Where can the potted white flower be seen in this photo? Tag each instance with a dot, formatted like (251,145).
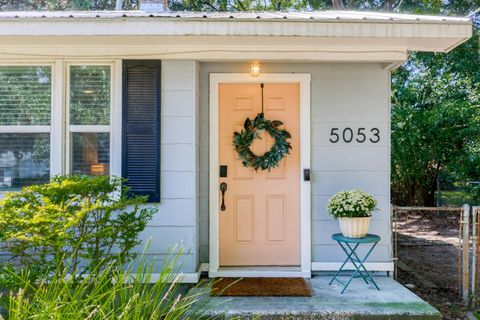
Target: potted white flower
(353,209)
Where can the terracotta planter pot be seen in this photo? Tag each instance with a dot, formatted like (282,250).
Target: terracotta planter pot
(354,227)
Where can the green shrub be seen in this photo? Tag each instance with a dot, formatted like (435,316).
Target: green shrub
(351,204)
(90,220)
(113,293)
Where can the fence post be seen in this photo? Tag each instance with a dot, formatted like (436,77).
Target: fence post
(465,253)
(395,241)
(475,232)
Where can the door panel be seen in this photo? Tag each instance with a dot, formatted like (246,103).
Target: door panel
(261,223)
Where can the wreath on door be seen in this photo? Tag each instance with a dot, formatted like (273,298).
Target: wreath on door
(243,140)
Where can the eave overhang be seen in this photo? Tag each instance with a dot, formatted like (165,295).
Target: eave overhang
(321,36)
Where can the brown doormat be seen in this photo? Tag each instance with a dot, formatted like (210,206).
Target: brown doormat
(260,287)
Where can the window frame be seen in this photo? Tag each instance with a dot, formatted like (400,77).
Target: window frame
(71,128)
(59,128)
(34,128)
(22,129)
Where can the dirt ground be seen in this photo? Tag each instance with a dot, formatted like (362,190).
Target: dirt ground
(428,259)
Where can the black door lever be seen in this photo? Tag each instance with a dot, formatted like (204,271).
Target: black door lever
(223,188)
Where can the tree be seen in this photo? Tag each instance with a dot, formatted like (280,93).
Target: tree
(426,141)
(22,5)
(436,117)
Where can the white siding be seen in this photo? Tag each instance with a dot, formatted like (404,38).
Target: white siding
(175,224)
(343,95)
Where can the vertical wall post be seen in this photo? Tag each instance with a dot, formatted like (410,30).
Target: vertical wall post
(465,253)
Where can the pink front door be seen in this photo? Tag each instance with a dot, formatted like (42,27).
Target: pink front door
(261,222)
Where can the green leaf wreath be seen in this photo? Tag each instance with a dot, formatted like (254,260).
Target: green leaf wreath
(244,139)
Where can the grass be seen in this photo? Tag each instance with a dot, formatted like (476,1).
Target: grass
(453,198)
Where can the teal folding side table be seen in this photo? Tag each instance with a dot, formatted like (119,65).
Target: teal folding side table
(350,246)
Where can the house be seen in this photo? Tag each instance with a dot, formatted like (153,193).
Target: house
(156,97)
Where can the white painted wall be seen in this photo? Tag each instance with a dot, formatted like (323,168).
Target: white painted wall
(343,94)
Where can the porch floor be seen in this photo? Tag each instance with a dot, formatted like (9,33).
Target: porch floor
(360,301)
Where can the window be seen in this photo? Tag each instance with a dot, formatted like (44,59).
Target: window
(66,118)
(47,128)
(89,107)
(25,117)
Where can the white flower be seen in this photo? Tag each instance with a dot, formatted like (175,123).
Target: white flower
(353,203)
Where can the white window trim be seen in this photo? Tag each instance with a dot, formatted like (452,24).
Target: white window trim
(24,129)
(57,149)
(90,128)
(116,120)
(59,127)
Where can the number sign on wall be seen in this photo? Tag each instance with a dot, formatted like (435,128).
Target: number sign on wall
(360,135)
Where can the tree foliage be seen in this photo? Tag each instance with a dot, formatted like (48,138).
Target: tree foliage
(23,5)
(436,117)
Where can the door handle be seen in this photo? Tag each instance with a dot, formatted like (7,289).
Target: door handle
(223,188)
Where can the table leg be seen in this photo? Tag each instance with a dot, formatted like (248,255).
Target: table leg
(363,266)
(356,259)
(344,263)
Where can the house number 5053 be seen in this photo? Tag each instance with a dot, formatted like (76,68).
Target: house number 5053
(359,135)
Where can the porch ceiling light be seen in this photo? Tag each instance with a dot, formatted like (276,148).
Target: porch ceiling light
(255,68)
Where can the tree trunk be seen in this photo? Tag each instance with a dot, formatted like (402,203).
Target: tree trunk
(338,5)
(428,197)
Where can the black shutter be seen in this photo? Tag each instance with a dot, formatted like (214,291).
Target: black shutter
(141,127)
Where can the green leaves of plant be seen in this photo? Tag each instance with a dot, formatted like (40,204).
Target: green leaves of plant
(276,123)
(247,124)
(81,217)
(244,139)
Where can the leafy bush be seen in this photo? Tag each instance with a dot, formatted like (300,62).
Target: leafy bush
(90,220)
(351,204)
(474,194)
(112,293)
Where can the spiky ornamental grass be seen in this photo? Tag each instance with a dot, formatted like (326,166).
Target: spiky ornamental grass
(112,293)
(351,204)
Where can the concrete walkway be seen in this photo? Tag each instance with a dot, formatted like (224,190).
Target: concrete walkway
(360,301)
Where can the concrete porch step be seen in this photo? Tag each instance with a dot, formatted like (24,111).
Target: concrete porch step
(360,301)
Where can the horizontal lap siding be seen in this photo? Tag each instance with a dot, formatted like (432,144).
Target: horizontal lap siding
(184,261)
(342,95)
(175,225)
(350,96)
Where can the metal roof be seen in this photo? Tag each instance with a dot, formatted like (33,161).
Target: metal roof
(344,16)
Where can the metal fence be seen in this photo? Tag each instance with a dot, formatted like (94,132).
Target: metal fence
(466,260)
(470,254)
